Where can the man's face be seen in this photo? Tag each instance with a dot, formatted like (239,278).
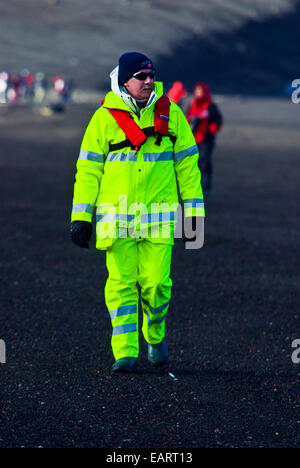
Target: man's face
(141,89)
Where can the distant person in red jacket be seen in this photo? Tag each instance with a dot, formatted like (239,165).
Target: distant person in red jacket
(205,120)
(177,93)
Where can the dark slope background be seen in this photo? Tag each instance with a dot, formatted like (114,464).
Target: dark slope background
(247,46)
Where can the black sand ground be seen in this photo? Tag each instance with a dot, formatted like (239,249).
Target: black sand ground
(234,313)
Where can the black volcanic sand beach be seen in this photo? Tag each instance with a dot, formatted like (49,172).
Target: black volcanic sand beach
(231,381)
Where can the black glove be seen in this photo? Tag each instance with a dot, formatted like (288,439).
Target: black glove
(81,232)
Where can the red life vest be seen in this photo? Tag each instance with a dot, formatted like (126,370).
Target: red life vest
(136,136)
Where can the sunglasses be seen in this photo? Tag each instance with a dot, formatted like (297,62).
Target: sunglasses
(142,76)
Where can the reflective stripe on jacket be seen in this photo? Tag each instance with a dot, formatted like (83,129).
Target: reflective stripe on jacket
(127,186)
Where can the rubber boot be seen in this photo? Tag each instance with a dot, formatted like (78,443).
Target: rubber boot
(158,353)
(125,364)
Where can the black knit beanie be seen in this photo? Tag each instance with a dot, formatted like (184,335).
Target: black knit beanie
(132,62)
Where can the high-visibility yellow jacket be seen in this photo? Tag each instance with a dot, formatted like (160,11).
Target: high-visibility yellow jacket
(128,187)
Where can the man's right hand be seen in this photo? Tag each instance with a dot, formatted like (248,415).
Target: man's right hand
(81,232)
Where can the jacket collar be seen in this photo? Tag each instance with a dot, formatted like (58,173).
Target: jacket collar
(126,100)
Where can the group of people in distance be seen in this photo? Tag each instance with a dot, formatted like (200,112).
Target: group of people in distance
(29,87)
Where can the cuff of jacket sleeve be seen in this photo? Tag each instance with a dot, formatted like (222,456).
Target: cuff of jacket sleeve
(191,212)
(194,207)
(82,212)
(81,217)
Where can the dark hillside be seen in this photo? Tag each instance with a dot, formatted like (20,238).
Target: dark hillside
(238,46)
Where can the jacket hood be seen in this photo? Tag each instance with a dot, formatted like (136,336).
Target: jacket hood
(120,91)
(177,92)
(206,97)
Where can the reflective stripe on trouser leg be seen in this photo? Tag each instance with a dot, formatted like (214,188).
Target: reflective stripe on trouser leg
(154,278)
(121,297)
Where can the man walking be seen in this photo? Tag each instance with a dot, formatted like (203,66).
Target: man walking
(137,147)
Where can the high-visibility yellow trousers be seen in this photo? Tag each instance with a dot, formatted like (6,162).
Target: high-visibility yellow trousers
(131,262)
